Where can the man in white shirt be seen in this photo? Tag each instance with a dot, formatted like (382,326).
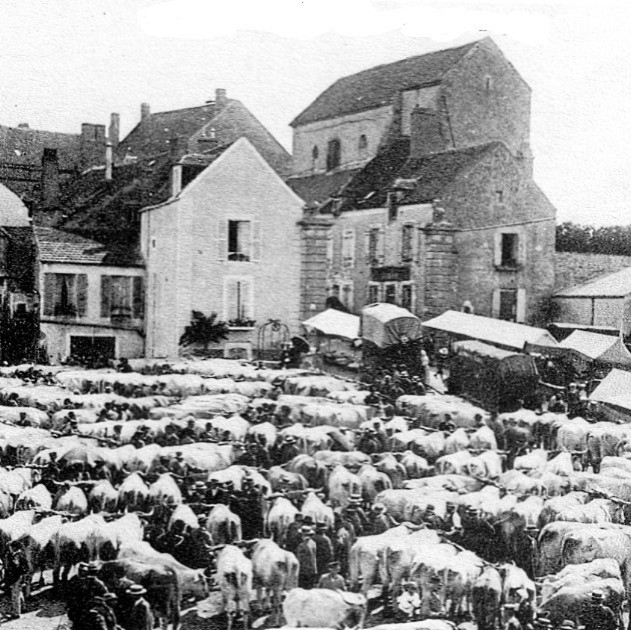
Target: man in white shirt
(409,602)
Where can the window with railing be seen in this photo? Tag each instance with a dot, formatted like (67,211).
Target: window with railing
(65,294)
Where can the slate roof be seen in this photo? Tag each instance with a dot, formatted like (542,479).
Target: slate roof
(319,188)
(106,210)
(57,246)
(21,258)
(25,146)
(432,173)
(376,86)
(154,135)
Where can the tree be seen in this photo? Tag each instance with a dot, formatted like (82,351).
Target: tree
(204,330)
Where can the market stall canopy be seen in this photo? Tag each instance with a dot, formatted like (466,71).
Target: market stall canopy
(334,324)
(602,348)
(614,389)
(386,325)
(490,330)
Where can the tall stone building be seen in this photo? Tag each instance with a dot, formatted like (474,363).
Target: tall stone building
(373,154)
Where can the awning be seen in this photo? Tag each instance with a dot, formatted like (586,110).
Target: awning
(602,348)
(490,330)
(386,325)
(614,389)
(334,323)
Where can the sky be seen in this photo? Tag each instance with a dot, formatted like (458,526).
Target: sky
(65,62)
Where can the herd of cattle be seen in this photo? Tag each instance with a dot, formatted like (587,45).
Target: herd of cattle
(568,489)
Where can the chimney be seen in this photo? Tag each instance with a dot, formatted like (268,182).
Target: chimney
(108,161)
(50,178)
(145,111)
(220,98)
(176,179)
(426,133)
(114,130)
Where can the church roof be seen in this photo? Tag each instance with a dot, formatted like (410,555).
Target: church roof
(376,86)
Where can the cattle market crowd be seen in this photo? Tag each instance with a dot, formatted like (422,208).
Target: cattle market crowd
(236,492)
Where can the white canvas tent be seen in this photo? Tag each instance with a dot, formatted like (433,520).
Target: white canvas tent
(614,389)
(602,348)
(494,331)
(333,323)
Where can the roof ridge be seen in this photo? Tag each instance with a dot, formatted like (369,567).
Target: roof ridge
(181,109)
(410,58)
(32,129)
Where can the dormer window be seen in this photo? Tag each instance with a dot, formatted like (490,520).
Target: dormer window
(363,143)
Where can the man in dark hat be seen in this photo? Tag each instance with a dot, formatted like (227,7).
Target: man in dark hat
(355,515)
(140,613)
(380,520)
(288,450)
(598,616)
(324,548)
(452,522)
(94,587)
(16,570)
(101,613)
(293,536)
(214,493)
(332,580)
(178,466)
(306,555)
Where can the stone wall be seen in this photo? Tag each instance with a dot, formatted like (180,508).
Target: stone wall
(314,238)
(573,268)
(440,269)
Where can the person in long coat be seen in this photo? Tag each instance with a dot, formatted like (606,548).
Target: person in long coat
(306,555)
(324,548)
(140,613)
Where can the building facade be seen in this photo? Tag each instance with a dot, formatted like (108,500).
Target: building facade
(227,242)
(451,125)
(91,306)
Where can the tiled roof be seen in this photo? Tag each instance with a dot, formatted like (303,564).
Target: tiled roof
(376,86)
(57,246)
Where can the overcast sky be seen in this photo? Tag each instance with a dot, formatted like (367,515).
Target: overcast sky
(65,62)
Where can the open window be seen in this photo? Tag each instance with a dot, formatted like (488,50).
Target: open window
(508,250)
(239,240)
(65,294)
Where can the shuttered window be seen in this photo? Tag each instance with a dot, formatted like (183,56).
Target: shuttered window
(238,301)
(374,291)
(239,240)
(407,243)
(65,294)
(122,296)
(348,248)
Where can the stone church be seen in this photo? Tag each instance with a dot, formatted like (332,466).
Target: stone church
(418,180)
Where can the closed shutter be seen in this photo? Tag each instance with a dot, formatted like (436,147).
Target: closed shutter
(497,255)
(381,245)
(246,294)
(222,239)
(368,245)
(256,241)
(82,294)
(521,249)
(495,308)
(348,248)
(521,306)
(329,250)
(231,299)
(50,282)
(106,296)
(138,298)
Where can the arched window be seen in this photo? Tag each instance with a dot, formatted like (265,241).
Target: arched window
(315,153)
(334,154)
(363,143)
